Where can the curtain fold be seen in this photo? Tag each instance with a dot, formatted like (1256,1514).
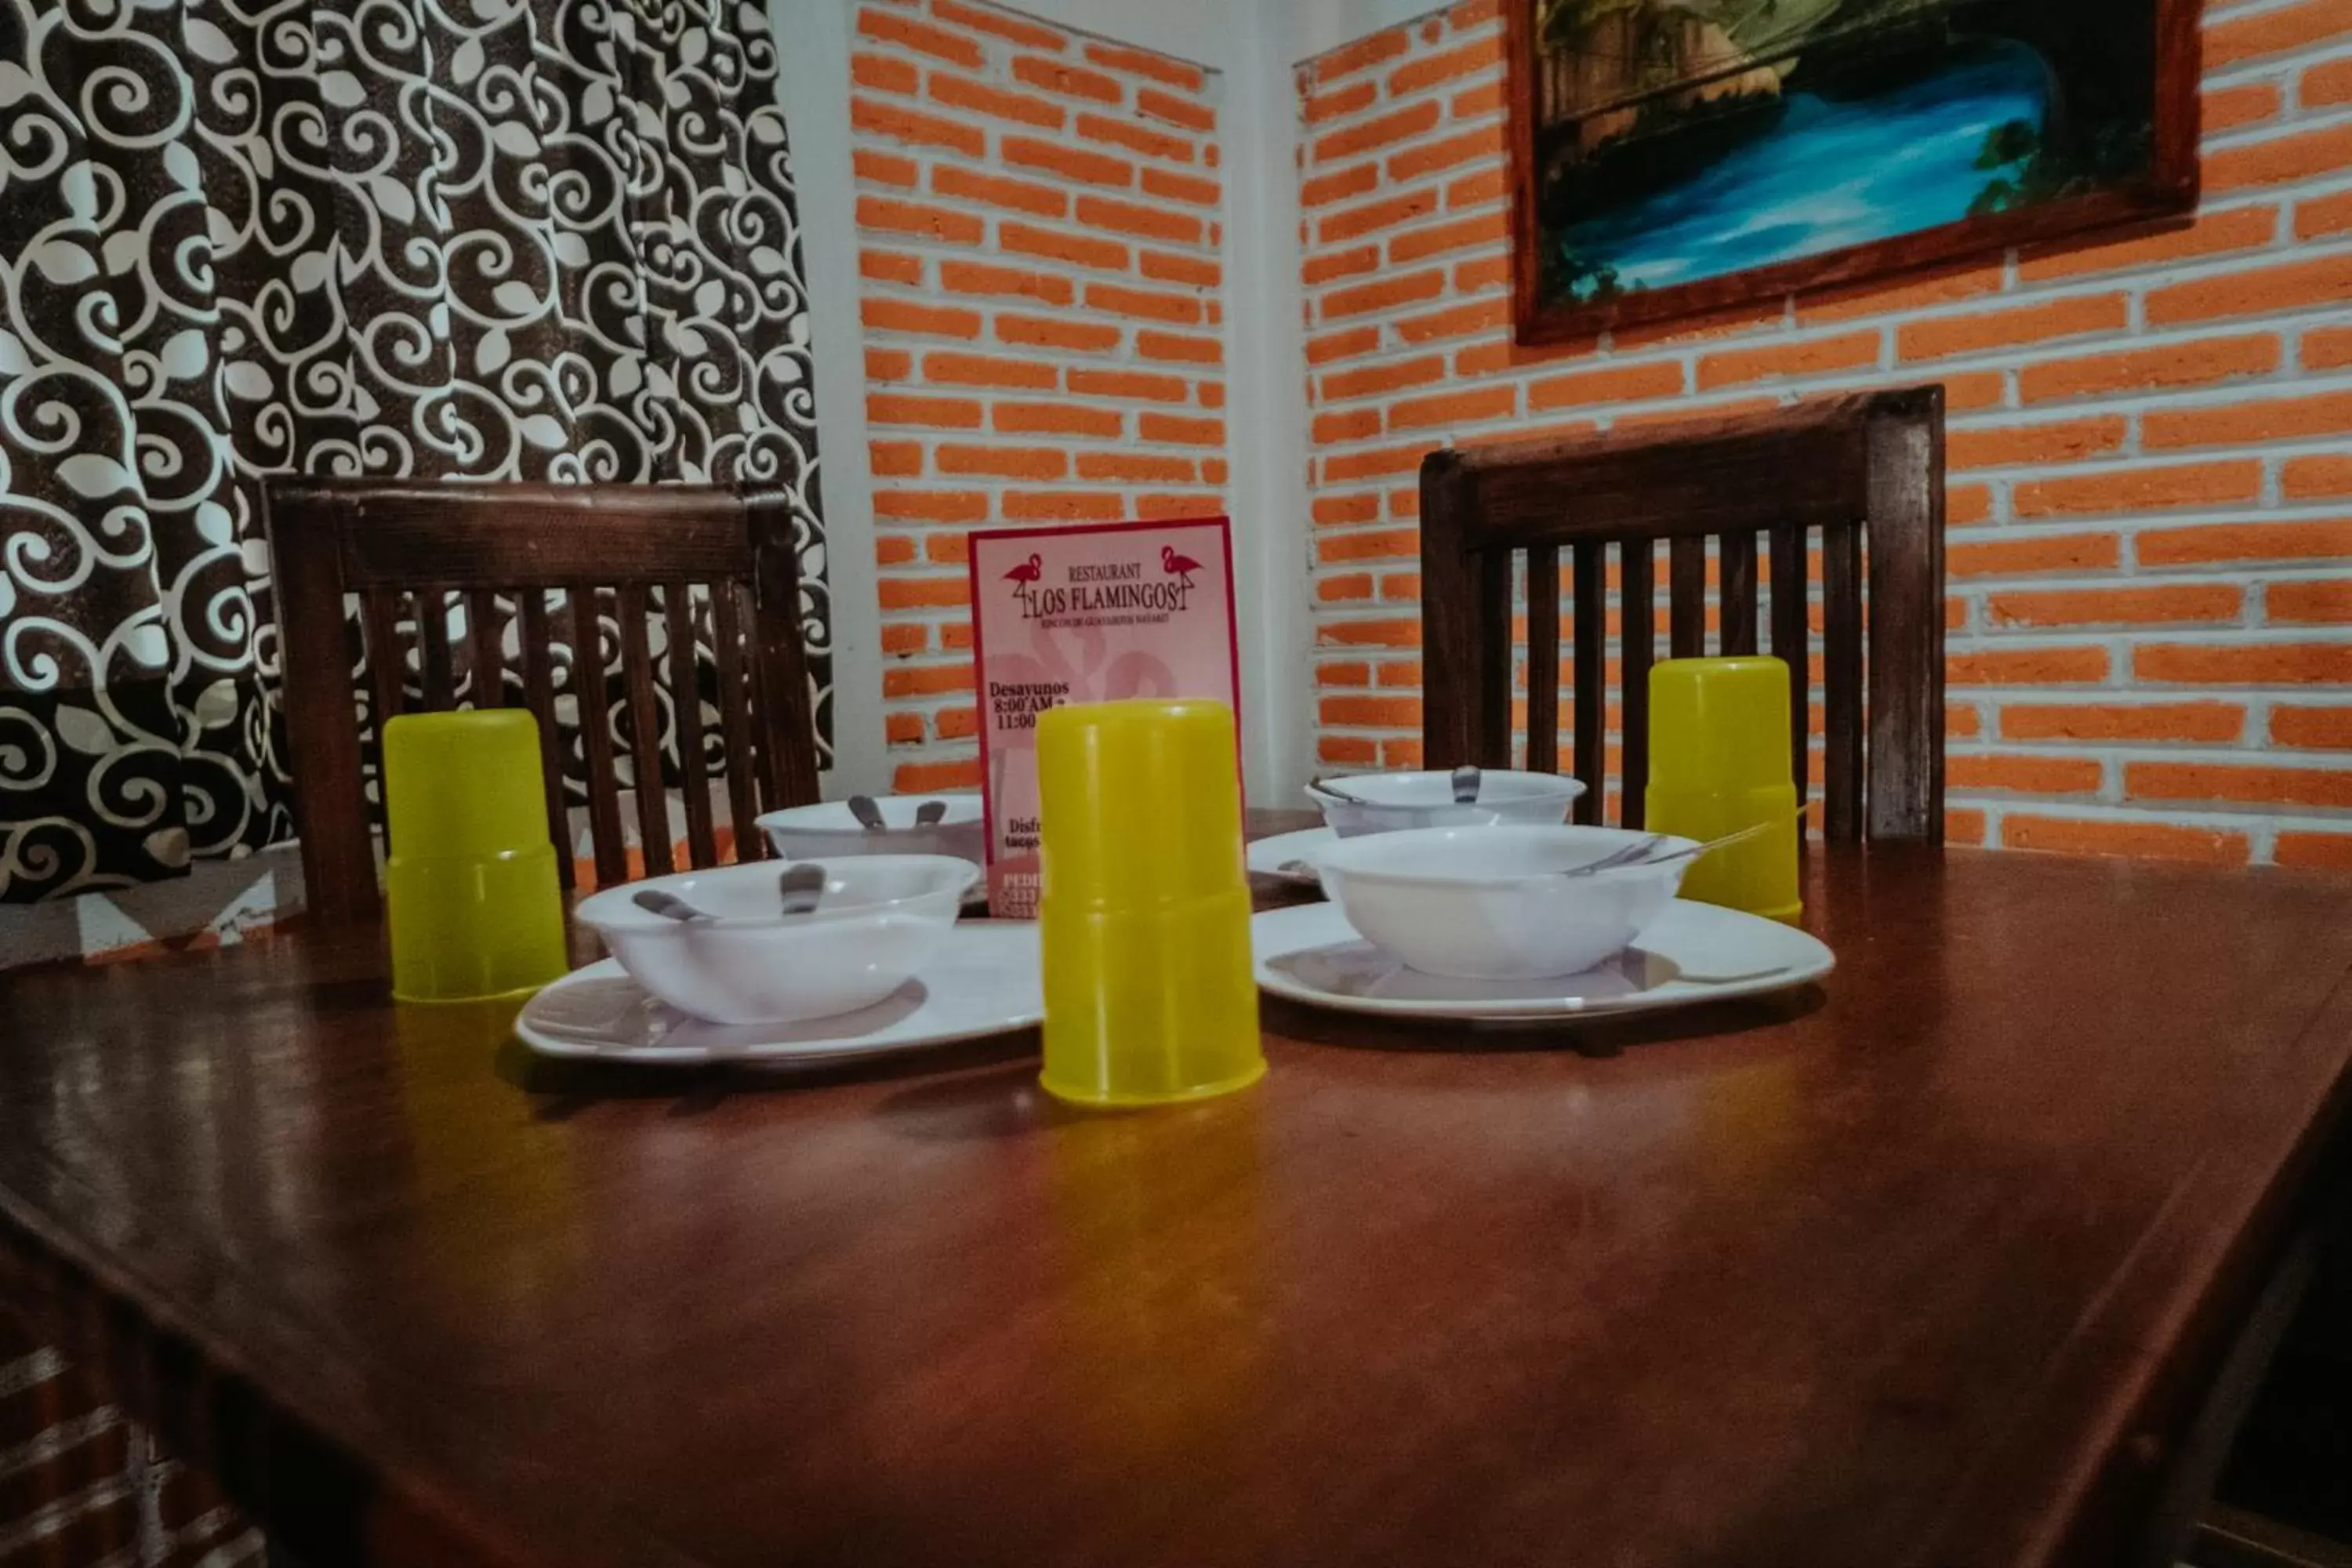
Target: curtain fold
(501,239)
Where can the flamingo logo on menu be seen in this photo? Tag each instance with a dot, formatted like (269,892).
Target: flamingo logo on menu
(1095,587)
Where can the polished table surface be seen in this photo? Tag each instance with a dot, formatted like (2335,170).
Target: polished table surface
(1924,1265)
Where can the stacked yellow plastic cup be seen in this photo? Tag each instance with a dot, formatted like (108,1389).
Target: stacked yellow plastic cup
(1145,909)
(1720,762)
(470,889)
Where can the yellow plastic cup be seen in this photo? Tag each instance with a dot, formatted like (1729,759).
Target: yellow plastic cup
(1145,907)
(1719,763)
(472,902)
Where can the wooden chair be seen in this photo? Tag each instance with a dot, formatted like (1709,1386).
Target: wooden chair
(404,546)
(1869,467)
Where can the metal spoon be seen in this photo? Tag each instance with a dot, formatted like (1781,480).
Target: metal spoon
(802,888)
(669,906)
(1336,793)
(868,815)
(930,813)
(1465,785)
(1635,854)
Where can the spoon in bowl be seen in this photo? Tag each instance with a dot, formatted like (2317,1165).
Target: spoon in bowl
(868,815)
(669,906)
(802,888)
(1336,793)
(1639,854)
(930,812)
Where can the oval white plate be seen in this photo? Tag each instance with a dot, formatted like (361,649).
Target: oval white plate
(1696,952)
(1265,856)
(984,981)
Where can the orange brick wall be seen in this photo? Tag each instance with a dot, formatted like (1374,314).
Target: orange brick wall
(2152,440)
(1041,222)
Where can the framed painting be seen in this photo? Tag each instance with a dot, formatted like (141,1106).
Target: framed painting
(1673,156)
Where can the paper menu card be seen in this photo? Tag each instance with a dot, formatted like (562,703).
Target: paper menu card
(1087,614)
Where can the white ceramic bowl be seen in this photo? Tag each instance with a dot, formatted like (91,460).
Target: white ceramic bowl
(882,918)
(1488,903)
(1404,801)
(828,831)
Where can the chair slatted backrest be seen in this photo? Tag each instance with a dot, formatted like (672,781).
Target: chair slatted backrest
(409,551)
(1854,472)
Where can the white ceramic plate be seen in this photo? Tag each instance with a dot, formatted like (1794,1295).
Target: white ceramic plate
(1696,952)
(984,981)
(1265,856)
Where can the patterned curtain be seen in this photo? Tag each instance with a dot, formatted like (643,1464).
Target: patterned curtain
(504,240)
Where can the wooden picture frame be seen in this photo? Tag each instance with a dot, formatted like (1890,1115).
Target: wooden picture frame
(2166,187)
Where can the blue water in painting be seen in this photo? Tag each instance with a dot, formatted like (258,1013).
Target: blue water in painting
(1831,174)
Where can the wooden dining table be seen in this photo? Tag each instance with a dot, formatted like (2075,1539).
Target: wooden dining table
(1938,1262)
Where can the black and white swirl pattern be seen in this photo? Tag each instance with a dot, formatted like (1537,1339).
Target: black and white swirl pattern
(500,239)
